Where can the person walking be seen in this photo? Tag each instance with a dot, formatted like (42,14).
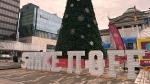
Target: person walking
(15,58)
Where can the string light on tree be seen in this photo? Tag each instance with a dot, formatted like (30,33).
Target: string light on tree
(82,36)
(72,31)
(88,25)
(61,26)
(91,43)
(72,5)
(81,18)
(94,22)
(87,10)
(66,15)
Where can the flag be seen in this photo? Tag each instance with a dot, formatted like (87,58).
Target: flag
(116,36)
(135,17)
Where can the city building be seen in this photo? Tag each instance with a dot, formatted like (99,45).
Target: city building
(39,27)
(128,28)
(9,10)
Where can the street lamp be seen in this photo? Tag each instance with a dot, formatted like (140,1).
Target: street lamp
(17,35)
(148,18)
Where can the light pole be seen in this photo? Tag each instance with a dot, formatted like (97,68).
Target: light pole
(148,18)
(17,35)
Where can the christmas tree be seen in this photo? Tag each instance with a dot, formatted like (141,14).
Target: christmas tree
(79,29)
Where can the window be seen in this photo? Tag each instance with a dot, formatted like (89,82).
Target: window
(129,46)
(0,17)
(0,31)
(3,32)
(53,36)
(1,25)
(0,10)
(49,35)
(1,4)
(50,48)
(23,41)
(4,25)
(38,34)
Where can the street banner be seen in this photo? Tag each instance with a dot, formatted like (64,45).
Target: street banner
(116,36)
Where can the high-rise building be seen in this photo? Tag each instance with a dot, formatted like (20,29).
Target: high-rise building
(39,27)
(9,11)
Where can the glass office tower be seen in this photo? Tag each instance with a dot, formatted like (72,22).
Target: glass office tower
(9,10)
(37,22)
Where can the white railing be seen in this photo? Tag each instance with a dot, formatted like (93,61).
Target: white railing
(14,45)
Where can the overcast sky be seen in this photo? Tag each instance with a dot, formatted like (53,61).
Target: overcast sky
(102,8)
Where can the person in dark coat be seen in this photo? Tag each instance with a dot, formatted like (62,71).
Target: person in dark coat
(15,58)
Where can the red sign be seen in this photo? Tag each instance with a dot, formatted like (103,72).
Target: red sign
(64,63)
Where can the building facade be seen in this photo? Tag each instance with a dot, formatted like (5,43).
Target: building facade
(127,27)
(9,10)
(36,23)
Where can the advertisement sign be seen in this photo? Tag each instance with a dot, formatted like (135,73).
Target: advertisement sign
(144,44)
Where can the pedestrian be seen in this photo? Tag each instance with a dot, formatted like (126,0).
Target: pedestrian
(15,58)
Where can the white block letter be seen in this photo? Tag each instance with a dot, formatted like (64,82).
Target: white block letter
(24,60)
(46,63)
(131,63)
(55,60)
(38,61)
(100,63)
(78,55)
(112,63)
(31,60)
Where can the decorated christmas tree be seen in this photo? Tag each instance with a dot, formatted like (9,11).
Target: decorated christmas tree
(79,29)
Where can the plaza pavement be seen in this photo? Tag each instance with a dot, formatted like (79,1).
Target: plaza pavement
(11,73)
(23,76)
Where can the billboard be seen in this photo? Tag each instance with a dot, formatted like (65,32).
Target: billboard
(144,44)
(48,22)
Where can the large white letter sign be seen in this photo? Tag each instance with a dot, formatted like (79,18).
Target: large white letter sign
(30,63)
(24,60)
(112,63)
(100,63)
(38,61)
(55,60)
(78,55)
(46,61)
(78,61)
(131,63)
